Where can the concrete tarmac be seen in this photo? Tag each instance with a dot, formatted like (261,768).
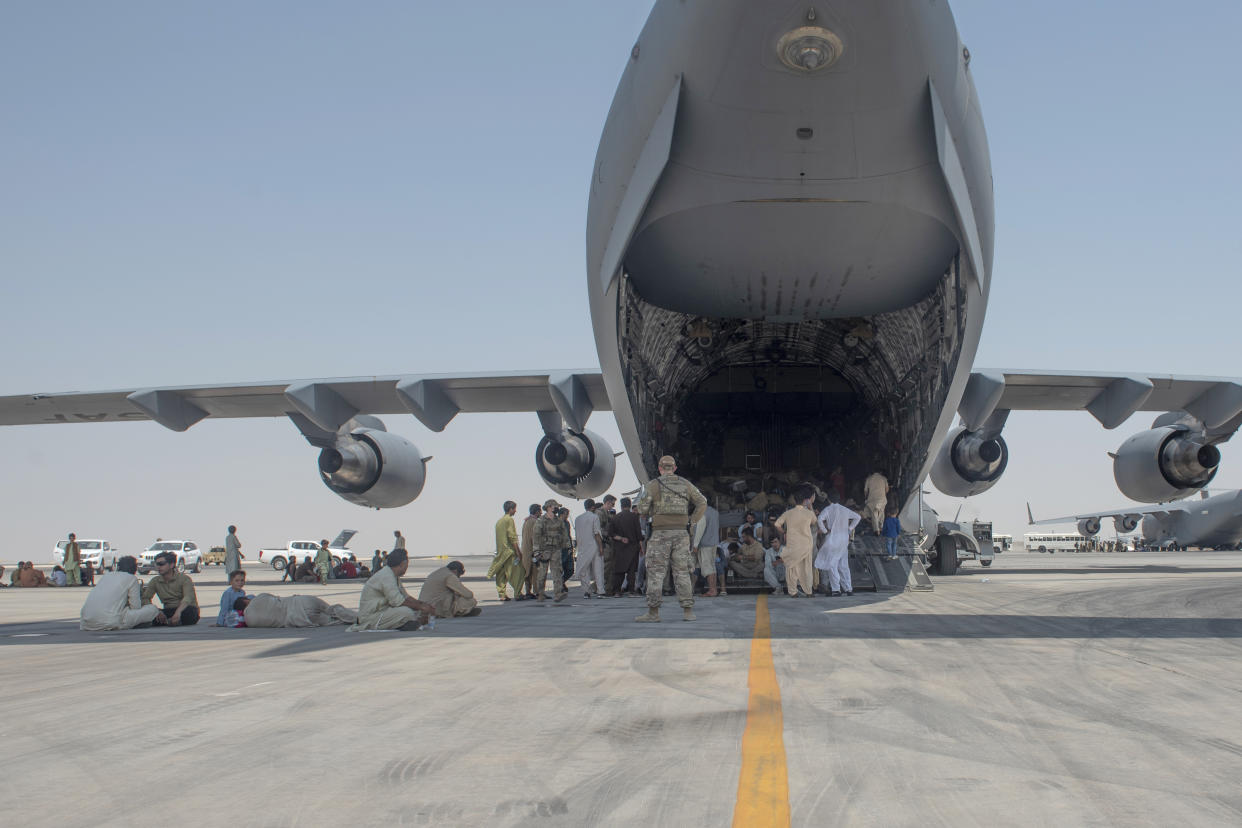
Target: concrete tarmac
(1088,689)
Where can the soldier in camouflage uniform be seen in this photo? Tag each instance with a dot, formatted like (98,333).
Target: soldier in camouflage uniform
(606,513)
(550,538)
(674,505)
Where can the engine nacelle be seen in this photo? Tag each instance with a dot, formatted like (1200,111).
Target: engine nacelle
(968,463)
(576,464)
(1089,527)
(373,468)
(1162,464)
(1126,523)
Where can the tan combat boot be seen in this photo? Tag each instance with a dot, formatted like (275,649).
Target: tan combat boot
(653,615)
(687,614)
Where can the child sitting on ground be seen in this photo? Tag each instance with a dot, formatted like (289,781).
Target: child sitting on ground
(237,589)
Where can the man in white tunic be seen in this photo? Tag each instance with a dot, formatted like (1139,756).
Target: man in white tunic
(590,558)
(385,605)
(266,610)
(837,522)
(116,601)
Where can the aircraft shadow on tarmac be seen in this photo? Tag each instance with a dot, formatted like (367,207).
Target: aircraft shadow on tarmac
(732,619)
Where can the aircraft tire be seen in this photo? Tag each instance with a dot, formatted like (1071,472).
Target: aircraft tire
(946,556)
(986,563)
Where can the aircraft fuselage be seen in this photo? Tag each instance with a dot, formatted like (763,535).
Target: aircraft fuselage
(789,239)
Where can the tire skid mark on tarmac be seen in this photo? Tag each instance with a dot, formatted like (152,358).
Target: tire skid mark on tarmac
(868,731)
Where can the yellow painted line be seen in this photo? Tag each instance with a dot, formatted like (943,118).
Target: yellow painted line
(763,784)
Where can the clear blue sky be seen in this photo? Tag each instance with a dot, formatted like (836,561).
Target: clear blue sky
(233,191)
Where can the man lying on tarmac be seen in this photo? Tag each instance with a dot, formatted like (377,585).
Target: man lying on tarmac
(265,610)
(175,591)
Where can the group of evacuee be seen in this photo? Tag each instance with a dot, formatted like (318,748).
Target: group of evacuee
(682,537)
(121,601)
(609,545)
(801,552)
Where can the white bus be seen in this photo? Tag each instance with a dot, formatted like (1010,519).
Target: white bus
(1042,542)
(1002,543)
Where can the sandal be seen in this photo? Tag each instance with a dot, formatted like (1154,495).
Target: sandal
(711,593)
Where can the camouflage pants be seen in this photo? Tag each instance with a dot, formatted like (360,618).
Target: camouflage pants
(665,546)
(322,571)
(609,569)
(541,574)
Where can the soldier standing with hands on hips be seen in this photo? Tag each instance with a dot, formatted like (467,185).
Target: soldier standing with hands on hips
(674,505)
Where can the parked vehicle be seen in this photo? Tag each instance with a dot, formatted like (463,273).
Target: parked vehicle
(957,542)
(1053,543)
(99,552)
(299,549)
(189,556)
(214,555)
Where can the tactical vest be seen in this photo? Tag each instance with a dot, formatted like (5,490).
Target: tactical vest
(670,496)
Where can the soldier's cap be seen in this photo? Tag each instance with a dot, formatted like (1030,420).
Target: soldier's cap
(667,462)
(551,504)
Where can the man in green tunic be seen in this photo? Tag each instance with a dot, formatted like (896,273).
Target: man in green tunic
(323,561)
(73,561)
(506,567)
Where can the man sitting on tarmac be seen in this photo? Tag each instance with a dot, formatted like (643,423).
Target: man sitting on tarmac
(116,601)
(446,594)
(385,605)
(175,591)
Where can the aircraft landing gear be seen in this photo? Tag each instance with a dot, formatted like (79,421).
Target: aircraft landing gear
(946,556)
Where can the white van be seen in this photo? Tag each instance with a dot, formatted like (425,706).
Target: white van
(189,556)
(99,552)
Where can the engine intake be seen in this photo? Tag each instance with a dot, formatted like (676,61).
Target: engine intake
(1089,527)
(373,468)
(576,464)
(1126,523)
(969,463)
(1162,464)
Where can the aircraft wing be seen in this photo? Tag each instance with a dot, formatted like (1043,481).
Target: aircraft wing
(1110,398)
(1160,511)
(327,403)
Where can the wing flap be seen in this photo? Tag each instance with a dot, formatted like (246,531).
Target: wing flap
(1112,398)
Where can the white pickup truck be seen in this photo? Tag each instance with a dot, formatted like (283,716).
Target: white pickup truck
(299,549)
(189,556)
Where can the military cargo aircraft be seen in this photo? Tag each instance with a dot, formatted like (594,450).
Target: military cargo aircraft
(1212,522)
(789,250)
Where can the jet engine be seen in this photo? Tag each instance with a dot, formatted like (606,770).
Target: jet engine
(373,468)
(576,464)
(1163,464)
(969,463)
(1126,523)
(1089,527)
